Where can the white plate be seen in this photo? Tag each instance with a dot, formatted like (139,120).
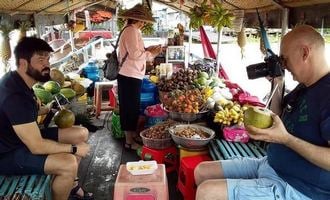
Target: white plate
(141,167)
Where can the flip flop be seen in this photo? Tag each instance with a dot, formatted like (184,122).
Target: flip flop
(75,196)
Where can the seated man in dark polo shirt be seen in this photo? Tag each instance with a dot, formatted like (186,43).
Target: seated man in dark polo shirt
(24,148)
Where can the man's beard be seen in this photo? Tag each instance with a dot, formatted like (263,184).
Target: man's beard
(36,75)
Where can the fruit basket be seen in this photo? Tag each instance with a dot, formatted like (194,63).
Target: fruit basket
(187,117)
(157,137)
(184,105)
(191,136)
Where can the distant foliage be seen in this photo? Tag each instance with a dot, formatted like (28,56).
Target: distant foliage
(148,29)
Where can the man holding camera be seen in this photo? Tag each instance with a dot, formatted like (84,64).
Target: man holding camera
(297,165)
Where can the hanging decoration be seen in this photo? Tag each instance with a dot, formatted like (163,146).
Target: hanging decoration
(264,42)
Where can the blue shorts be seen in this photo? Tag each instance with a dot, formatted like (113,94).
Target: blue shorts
(255,179)
(22,162)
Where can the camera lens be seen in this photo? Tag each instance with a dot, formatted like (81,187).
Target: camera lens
(257,70)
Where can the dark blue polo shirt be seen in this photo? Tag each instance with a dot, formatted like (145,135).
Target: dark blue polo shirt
(309,119)
(17,106)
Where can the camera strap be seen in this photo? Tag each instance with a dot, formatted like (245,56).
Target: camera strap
(290,101)
(277,100)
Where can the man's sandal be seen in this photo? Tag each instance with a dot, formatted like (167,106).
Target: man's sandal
(75,196)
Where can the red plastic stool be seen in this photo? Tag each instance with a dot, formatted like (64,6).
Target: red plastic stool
(99,105)
(112,98)
(186,181)
(168,156)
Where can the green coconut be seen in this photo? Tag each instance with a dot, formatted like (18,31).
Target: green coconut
(64,118)
(57,75)
(52,87)
(258,117)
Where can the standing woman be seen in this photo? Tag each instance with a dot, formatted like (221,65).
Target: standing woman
(133,69)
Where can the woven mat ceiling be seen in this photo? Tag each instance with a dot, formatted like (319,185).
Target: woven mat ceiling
(247,5)
(49,6)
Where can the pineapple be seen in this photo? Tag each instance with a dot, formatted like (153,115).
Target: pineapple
(23,27)
(241,40)
(5,51)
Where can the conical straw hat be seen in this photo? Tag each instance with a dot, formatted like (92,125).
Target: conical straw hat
(138,12)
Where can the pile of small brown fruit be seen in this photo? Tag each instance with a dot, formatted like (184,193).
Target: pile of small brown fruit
(182,79)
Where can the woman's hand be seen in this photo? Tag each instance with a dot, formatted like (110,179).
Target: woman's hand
(277,133)
(154,50)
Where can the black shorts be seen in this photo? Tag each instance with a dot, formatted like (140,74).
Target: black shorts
(22,162)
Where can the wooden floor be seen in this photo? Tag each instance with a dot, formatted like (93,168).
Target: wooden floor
(98,171)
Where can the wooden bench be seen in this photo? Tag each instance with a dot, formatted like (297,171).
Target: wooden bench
(222,150)
(35,187)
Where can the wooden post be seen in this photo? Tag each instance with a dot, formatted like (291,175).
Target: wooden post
(322,26)
(218,50)
(285,21)
(88,20)
(38,27)
(189,45)
(71,40)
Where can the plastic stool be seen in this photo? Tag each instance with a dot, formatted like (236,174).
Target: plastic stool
(168,156)
(112,98)
(185,152)
(99,106)
(186,181)
(141,187)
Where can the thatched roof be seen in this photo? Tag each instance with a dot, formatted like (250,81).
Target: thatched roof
(62,6)
(312,11)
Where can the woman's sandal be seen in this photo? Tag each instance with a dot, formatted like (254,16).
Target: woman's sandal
(138,139)
(75,196)
(131,146)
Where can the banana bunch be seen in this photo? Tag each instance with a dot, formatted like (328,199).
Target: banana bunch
(197,15)
(154,79)
(219,17)
(207,92)
(232,113)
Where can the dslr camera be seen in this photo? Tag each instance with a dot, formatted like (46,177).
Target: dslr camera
(271,67)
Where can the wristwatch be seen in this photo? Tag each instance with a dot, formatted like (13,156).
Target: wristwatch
(74,149)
